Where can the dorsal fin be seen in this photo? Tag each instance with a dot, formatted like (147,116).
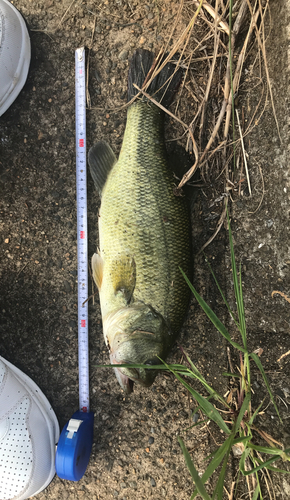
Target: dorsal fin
(101,160)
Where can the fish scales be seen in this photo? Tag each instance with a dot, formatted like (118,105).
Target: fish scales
(141,216)
(144,235)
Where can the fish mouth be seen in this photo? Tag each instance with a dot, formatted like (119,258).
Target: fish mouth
(128,377)
(125,382)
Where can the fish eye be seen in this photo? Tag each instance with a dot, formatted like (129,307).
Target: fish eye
(151,314)
(152,362)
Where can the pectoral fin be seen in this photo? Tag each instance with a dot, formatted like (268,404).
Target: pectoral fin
(101,160)
(97,268)
(123,276)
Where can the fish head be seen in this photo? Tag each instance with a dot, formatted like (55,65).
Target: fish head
(136,334)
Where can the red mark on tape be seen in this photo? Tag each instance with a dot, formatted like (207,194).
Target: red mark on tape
(83,322)
(82,235)
(84,409)
(81,143)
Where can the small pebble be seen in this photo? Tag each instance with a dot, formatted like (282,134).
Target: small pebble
(6,240)
(123,55)
(152,482)
(67,286)
(269,223)
(151,440)
(133,485)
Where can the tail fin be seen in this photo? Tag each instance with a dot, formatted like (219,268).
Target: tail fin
(164,85)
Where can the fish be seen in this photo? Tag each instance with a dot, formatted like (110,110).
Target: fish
(144,233)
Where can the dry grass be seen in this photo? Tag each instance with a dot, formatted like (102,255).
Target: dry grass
(213,83)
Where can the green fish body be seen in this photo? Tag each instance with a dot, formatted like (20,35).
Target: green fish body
(144,240)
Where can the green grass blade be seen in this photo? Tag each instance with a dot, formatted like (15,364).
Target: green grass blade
(182,368)
(222,295)
(220,484)
(275,469)
(256,413)
(262,465)
(217,458)
(235,441)
(243,329)
(256,493)
(241,439)
(195,425)
(243,409)
(243,458)
(237,287)
(196,373)
(259,365)
(242,311)
(212,316)
(271,451)
(210,411)
(193,472)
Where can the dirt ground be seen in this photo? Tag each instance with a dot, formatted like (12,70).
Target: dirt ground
(135,452)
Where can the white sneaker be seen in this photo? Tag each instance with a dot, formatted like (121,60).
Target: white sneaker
(14,54)
(29,432)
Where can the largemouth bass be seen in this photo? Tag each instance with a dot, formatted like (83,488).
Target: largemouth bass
(144,234)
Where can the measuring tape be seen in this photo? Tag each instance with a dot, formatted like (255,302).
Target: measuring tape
(76,439)
(82,234)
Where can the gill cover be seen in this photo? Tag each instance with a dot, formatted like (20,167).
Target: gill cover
(135,335)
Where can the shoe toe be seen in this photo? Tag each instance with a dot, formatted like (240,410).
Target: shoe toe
(28,434)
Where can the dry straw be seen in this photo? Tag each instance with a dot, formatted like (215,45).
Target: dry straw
(222,71)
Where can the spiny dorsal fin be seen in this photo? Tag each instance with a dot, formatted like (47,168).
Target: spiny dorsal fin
(101,160)
(97,268)
(123,274)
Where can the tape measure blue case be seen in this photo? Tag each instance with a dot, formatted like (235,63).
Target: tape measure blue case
(74,446)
